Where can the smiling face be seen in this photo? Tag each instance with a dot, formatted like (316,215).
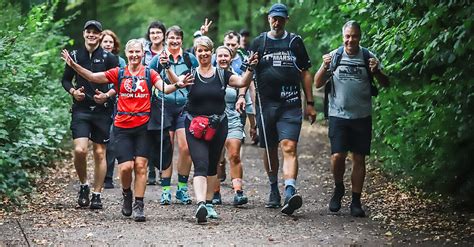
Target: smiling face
(351,38)
(91,36)
(174,41)
(156,36)
(134,52)
(223,58)
(107,43)
(203,55)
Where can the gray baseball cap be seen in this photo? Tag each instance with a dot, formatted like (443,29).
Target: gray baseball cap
(93,23)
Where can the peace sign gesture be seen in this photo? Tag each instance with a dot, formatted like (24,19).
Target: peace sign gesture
(205,27)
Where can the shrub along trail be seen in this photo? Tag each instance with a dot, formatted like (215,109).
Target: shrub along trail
(395,216)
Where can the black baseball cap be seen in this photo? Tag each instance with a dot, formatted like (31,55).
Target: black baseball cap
(93,23)
(278,9)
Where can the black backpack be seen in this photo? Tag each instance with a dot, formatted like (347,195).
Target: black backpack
(335,62)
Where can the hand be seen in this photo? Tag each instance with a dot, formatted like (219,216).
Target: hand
(100,97)
(164,59)
(79,94)
(187,80)
(253,59)
(240,105)
(67,58)
(374,65)
(205,27)
(311,113)
(253,133)
(327,60)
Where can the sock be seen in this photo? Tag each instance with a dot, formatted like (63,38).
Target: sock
(356,197)
(96,193)
(237,184)
(127,190)
(182,181)
(85,184)
(339,188)
(139,199)
(208,202)
(290,182)
(166,184)
(273,182)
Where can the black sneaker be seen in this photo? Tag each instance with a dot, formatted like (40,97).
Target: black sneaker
(138,211)
(201,213)
(335,203)
(293,203)
(96,202)
(356,210)
(127,203)
(83,196)
(274,199)
(216,198)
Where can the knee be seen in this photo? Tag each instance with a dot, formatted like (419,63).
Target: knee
(80,150)
(234,159)
(183,148)
(99,152)
(289,148)
(338,157)
(140,168)
(126,168)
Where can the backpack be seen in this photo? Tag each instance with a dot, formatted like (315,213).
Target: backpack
(335,62)
(187,61)
(148,83)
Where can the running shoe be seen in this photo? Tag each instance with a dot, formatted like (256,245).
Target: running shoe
(201,213)
(96,202)
(211,213)
(165,198)
(138,211)
(182,195)
(240,198)
(83,196)
(274,199)
(127,203)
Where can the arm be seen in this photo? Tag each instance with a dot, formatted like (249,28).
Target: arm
(308,93)
(321,75)
(236,81)
(241,102)
(98,77)
(169,88)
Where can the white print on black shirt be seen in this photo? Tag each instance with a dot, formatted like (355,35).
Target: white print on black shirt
(281,59)
(289,93)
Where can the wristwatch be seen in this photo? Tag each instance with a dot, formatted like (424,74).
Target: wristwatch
(311,103)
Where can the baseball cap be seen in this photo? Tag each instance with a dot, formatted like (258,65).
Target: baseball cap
(278,9)
(93,23)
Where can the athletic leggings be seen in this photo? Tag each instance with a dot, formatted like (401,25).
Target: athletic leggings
(205,155)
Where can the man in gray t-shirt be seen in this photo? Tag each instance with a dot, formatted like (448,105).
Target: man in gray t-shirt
(350,107)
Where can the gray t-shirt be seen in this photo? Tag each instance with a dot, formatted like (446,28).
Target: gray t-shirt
(352,99)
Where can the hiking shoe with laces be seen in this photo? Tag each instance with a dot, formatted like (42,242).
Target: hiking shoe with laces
(211,213)
(138,211)
(83,196)
(182,195)
(165,198)
(96,202)
(240,198)
(201,213)
(356,210)
(335,203)
(217,199)
(127,203)
(293,203)
(274,199)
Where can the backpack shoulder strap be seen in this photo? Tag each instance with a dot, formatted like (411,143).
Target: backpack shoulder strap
(220,73)
(187,60)
(261,47)
(336,60)
(148,78)
(120,77)
(366,55)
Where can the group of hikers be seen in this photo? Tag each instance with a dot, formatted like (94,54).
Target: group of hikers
(200,99)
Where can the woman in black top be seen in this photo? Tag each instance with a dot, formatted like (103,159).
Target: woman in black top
(206,102)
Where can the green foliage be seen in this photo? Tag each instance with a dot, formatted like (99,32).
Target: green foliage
(422,124)
(33,116)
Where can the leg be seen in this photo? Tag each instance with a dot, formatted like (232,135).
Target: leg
(80,155)
(140,168)
(100,166)
(110,159)
(290,160)
(236,172)
(184,167)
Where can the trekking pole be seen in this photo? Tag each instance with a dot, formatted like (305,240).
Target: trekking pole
(263,126)
(162,125)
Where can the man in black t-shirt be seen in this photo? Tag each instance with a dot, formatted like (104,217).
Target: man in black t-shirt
(91,111)
(283,66)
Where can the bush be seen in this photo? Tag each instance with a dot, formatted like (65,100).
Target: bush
(33,115)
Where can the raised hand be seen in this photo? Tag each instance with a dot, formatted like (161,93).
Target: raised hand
(164,59)
(67,58)
(205,27)
(373,65)
(253,59)
(187,80)
(327,60)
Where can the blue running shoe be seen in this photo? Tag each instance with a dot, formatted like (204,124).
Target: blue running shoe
(182,196)
(240,198)
(274,199)
(165,198)
(293,201)
(201,213)
(211,213)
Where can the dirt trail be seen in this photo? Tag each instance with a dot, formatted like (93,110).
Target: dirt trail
(54,219)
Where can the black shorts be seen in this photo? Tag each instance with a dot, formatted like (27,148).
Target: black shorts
(130,143)
(174,114)
(353,135)
(281,122)
(94,125)
(154,157)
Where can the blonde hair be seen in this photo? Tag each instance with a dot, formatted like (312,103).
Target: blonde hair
(223,47)
(204,41)
(133,42)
